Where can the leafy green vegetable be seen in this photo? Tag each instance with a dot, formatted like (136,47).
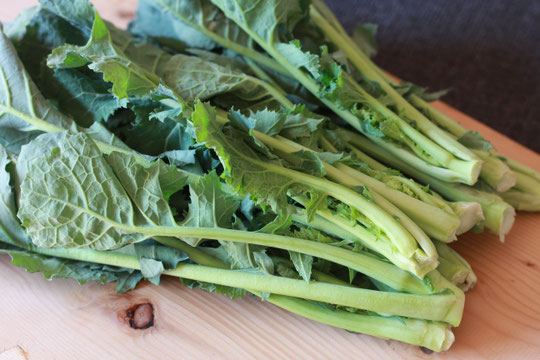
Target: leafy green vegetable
(21,103)
(136,177)
(83,272)
(210,206)
(271,24)
(78,209)
(250,171)
(84,96)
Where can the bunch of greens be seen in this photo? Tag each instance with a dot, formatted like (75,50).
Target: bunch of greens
(339,78)
(193,146)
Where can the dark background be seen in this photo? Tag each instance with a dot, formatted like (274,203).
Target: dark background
(486,51)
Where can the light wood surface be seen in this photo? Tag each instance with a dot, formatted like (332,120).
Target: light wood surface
(61,320)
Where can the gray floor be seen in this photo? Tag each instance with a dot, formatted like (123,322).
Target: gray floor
(487,52)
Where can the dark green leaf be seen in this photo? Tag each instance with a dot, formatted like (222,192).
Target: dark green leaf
(21,103)
(156,259)
(364,36)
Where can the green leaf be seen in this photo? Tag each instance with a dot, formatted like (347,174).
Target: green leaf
(194,78)
(21,103)
(300,122)
(87,207)
(156,259)
(11,231)
(210,206)
(181,23)
(155,137)
(131,76)
(12,140)
(406,89)
(303,264)
(98,132)
(300,59)
(149,188)
(364,36)
(239,254)
(291,123)
(308,162)
(280,224)
(265,18)
(264,262)
(136,68)
(285,271)
(233,293)
(77,12)
(244,170)
(83,272)
(474,140)
(37,37)
(83,96)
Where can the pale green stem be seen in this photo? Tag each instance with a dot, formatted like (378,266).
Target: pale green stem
(498,214)
(426,126)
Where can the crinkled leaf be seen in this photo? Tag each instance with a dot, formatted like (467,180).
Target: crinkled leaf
(308,162)
(300,122)
(155,137)
(149,188)
(265,121)
(285,271)
(83,96)
(77,12)
(178,23)
(292,123)
(135,68)
(265,18)
(239,254)
(300,59)
(195,78)
(180,158)
(71,197)
(244,170)
(103,55)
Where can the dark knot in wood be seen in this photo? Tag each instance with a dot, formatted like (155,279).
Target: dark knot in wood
(140,316)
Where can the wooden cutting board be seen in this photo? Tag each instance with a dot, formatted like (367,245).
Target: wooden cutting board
(59,319)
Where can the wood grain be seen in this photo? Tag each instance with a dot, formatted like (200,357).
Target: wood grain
(62,320)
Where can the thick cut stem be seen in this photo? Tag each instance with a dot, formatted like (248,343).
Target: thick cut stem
(433,220)
(499,216)
(455,268)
